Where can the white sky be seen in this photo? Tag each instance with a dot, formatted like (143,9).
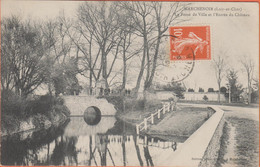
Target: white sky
(237,35)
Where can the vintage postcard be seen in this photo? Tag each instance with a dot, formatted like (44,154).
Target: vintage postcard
(129,83)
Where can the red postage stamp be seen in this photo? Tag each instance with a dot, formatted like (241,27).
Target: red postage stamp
(190,43)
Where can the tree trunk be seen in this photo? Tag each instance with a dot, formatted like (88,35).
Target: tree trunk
(138,151)
(219,92)
(149,83)
(138,83)
(90,82)
(124,150)
(104,66)
(148,68)
(124,72)
(249,91)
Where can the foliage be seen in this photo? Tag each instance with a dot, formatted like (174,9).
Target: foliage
(205,98)
(65,80)
(235,87)
(210,90)
(22,51)
(190,90)
(14,105)
(201,90)
(223,89)
(177,88)
(255,91)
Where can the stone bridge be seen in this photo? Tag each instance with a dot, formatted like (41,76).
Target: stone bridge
(78,104)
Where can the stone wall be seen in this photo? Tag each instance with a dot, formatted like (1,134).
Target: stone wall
(198,96)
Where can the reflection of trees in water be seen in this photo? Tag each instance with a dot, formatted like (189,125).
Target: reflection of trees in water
(18,151)
(148,157)
(57,149)
(138,151)
(123,149)
(65,148)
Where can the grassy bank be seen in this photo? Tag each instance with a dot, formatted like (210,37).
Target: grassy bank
(19,114)
(182,123)
(245,148)
(178,124)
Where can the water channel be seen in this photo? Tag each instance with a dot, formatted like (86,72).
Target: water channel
(109,143)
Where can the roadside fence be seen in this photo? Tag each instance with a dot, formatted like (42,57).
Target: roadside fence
(167,107)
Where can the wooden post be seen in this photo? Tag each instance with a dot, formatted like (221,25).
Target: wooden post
(169,106)
(145,140)
(145,123)
(137,129)
(152,118)
(164,108)
(159,114)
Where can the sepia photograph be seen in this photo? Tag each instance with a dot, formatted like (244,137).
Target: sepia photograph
(129,83)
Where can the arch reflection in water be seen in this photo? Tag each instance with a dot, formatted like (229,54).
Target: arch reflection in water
(78,127)
(92,115)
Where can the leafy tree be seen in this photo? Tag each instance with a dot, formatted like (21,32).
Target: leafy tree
(210,90)
(22,52)
(190,90)
(235,87)
(223,89)
(65,80)
(255,91)
(205,98)
(176,88)
(201,90)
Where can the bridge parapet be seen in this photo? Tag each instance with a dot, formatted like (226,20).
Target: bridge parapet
(78,104)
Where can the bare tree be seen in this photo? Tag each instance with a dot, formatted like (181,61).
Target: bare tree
(60,54)
(151,24)
(163,21)
(248,65)
(101,20)
(83,40)
(219,64)
(128,47)
(140,12)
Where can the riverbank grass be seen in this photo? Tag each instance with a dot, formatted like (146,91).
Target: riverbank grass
(181,123)
(246,147)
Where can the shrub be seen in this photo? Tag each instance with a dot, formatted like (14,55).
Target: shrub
(117,101)
(205,98)
(39,120)
(11,104)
